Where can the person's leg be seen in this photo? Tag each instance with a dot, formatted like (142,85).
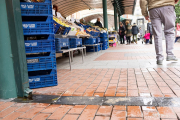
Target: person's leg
(168,20)
(123,39)
(157,31)
(177,39)
(120,39)
(151,39)
(136,39)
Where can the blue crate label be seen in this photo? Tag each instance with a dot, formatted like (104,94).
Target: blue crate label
(64,44)
(79,43)
(34,80)
(29,25)
(27,6)
(32,60)
(31,44)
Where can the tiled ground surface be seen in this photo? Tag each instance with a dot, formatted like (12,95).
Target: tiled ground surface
(120,71)
(157,82)
(21,111)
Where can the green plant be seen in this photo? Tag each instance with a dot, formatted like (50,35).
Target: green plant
(177,9)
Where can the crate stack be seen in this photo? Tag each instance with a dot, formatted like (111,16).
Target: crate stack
(104,40)
(38,31)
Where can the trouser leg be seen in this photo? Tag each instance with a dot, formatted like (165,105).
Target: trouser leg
(168,20)
(157,31)
(123,39)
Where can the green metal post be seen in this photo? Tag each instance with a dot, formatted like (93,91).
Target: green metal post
(119,20)
(104,2)
(115,16)
(13,71)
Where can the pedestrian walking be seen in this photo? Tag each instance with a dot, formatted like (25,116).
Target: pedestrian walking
(135,31)
(147,36)
(122,32)
(161,12)
(128,32)
(149,28)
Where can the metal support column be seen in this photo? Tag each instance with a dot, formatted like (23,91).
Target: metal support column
(115,16)
(14,80)
(104,2)
(119,19)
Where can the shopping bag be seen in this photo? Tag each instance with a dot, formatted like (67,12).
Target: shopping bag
(177,33)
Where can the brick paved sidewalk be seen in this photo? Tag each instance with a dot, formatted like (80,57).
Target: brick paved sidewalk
(23,111)
(134,73)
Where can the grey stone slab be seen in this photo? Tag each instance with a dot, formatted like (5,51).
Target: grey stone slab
(168,101)
(38,99)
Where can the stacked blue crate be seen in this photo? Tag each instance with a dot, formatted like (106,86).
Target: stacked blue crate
(38,31)
(104,40)
(61,43)
(75,42)
(89,41)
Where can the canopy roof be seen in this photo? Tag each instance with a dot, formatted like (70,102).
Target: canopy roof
(95,16)
(68,7)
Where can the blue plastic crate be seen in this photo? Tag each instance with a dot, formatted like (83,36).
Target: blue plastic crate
(104,40)
(103,35)
(66,31)
(37,18)
(90,48)
(37,46)
(104,47)
(88,41)
(36,28)
(61,43)
(56,26)
(41,61)
(98,40)
(36,9)
(46,78)
(75,42)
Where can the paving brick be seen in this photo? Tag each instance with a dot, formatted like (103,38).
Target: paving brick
(121,89)
(12,116)
(118,115)
(151,115)
(134,111)
(102,118)
(148,108)
(41,116)
(60,112)
(7,111)
(104,110)
(25,108)
(42,105)
(1,102)
(92,107)
(31,113)
(120,108)
(77,109)
(134,118)
(121,94)
(133,93)
(99,94)
(50,109)
(110,92)
(70,117)
(88,114)
(89,92)
(166,112)
(6,105)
